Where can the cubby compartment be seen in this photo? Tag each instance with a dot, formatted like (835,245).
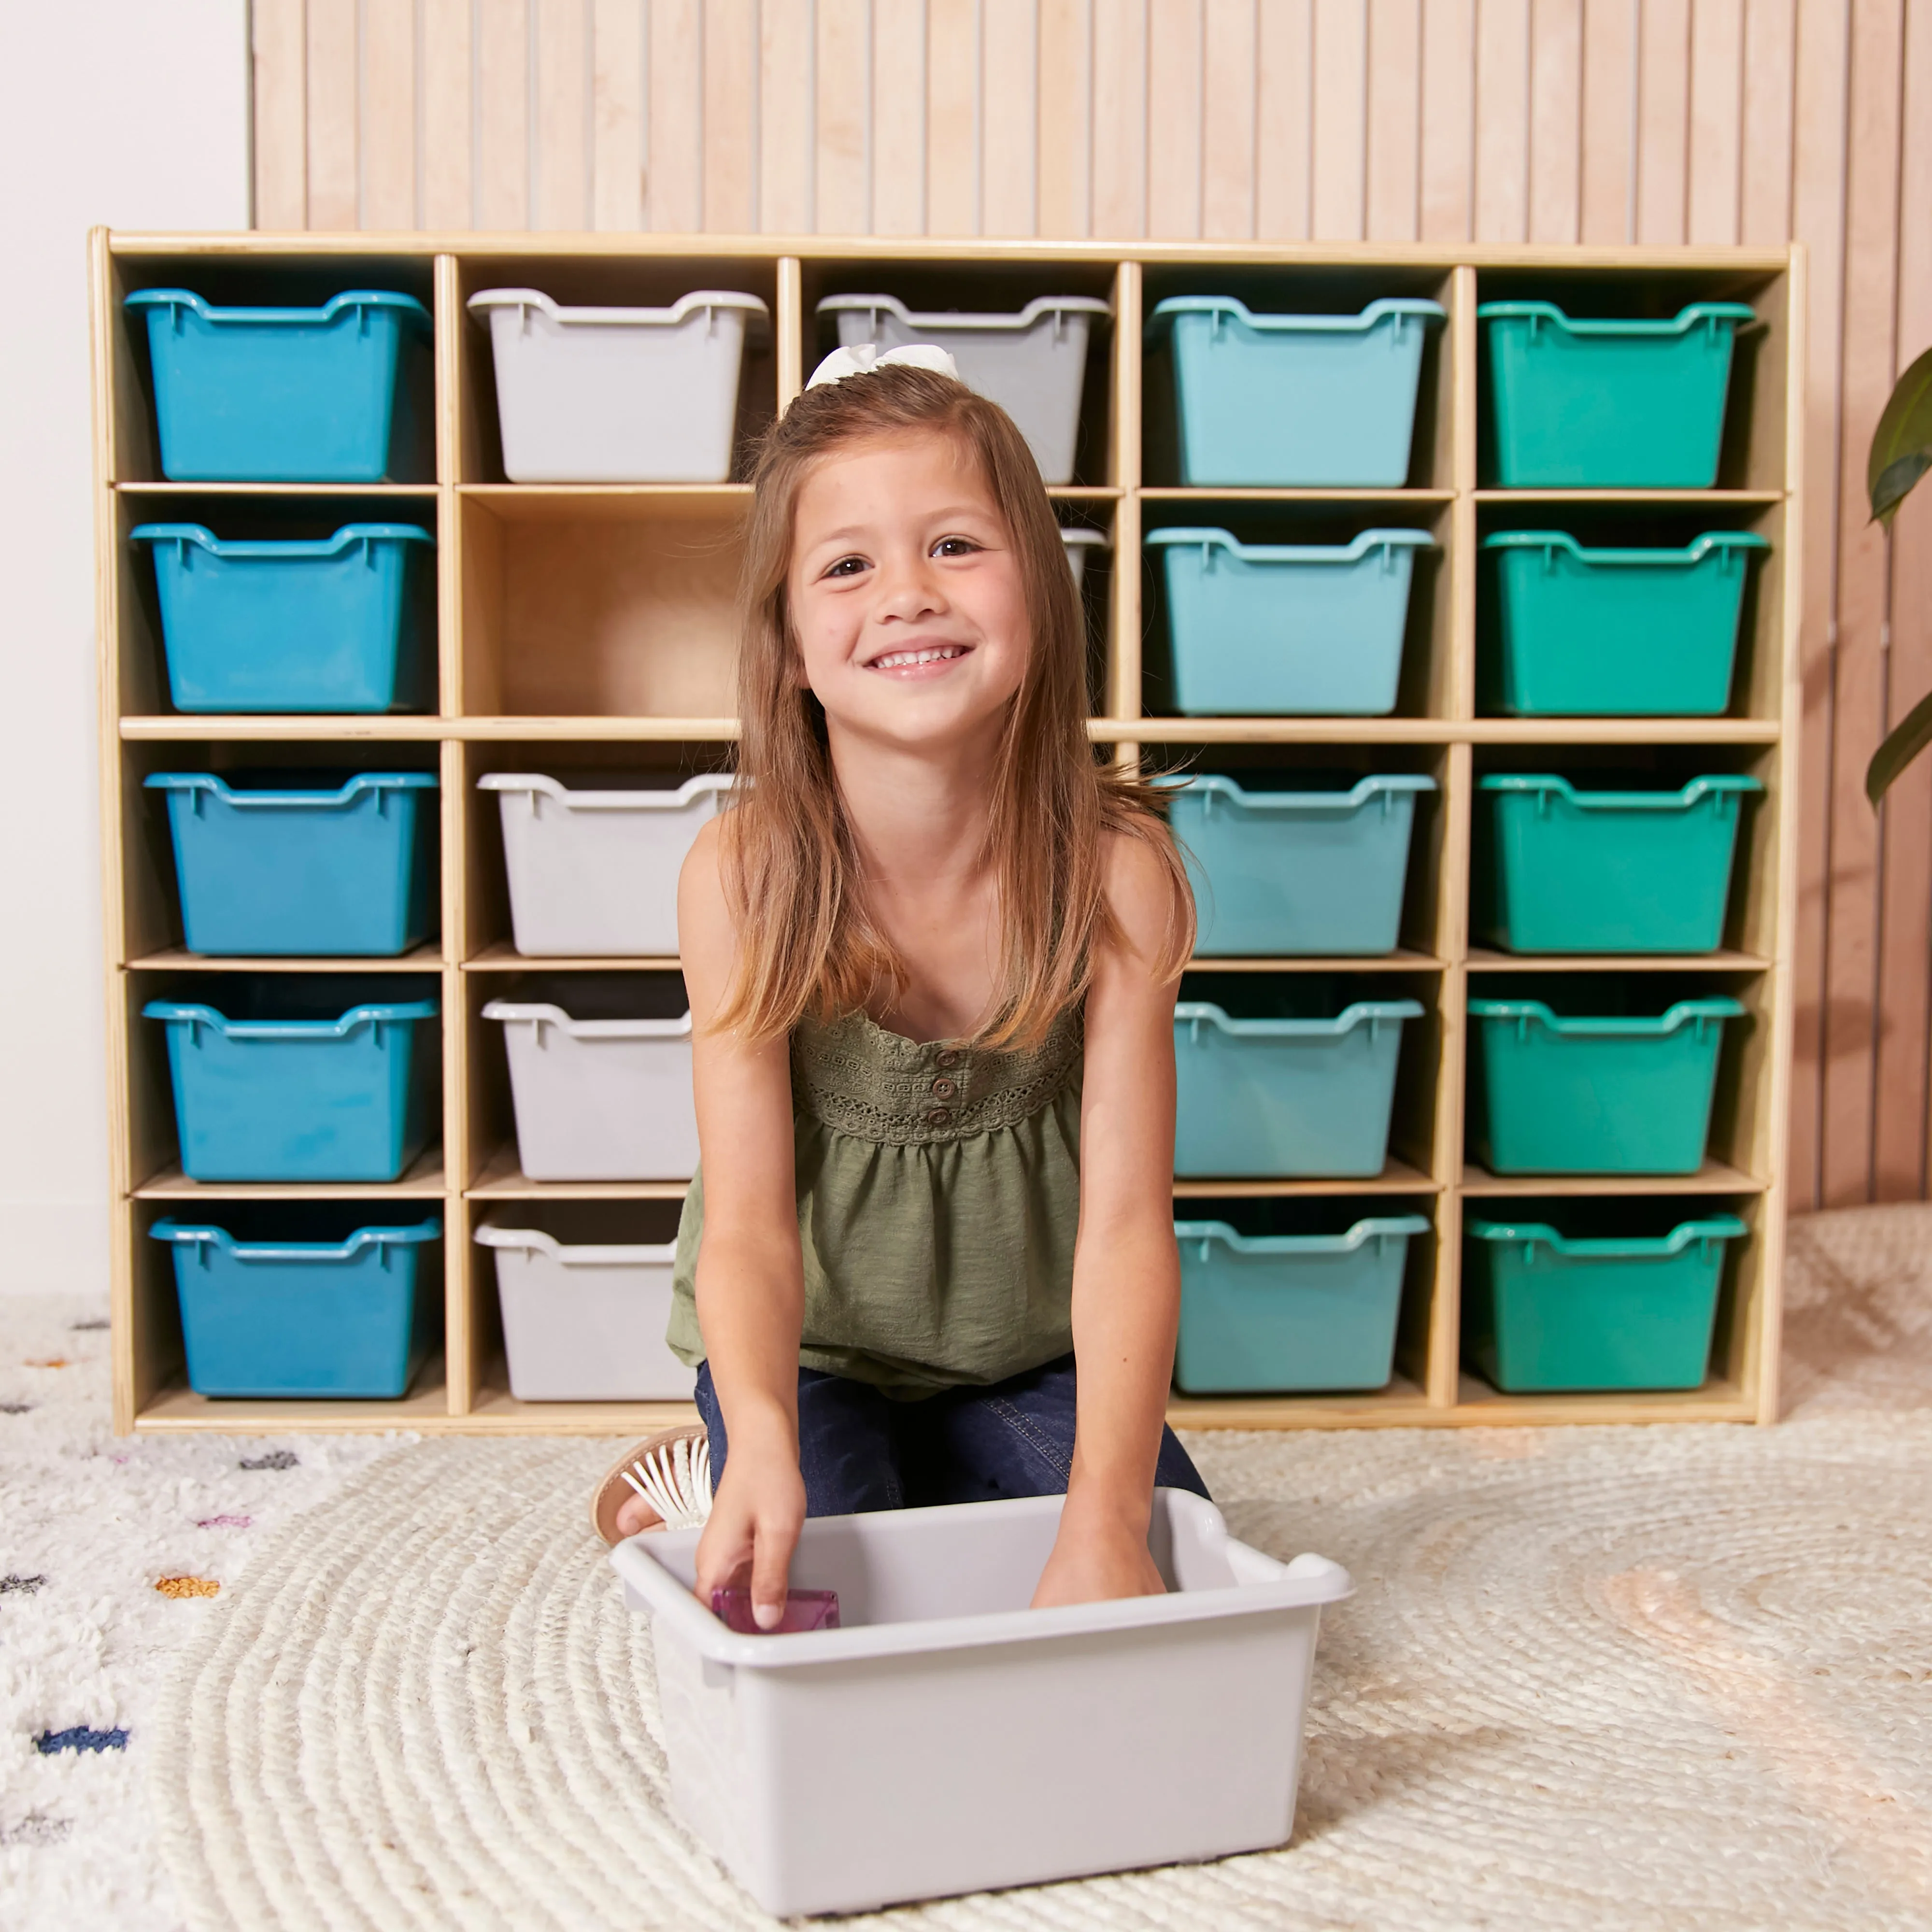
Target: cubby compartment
(288,1078)
(1317,396)
(345,394)
(583,1291)
(597,605)
(605,283)
(296,601)
(1292,1076)
(1301,609)
(1588,609)
(1294,1296)
(1751,453)
(1344,879)
(1038,337)
(1572,1295)
(599,1072)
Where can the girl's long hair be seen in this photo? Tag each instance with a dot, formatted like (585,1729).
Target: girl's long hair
(792,871)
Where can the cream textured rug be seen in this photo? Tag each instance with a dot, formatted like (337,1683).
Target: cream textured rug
(1591,1678)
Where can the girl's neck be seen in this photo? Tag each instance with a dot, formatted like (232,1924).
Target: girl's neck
(919,814)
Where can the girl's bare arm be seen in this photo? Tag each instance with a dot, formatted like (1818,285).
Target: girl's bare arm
(750,1280)
(1126,1273)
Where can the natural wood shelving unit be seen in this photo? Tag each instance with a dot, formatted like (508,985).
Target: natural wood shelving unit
(582,626)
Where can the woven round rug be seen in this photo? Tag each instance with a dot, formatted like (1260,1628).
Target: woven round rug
(1664,1677)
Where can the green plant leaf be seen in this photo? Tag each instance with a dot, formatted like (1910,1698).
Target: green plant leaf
(1901,447)
(1902,744)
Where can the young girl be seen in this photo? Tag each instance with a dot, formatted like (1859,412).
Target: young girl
(932,951)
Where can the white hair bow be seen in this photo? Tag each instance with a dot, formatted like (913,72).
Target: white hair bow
(864,357)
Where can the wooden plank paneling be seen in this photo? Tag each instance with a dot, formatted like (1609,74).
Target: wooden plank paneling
(1065,133)
(277,33)
(899,117)
(1871,267)
(674,170)
(1120,119)
(1817,216)
(1607,193)
(1502,120)
(1228,79)
(334,160)
(617,115)
(502,114)
(388,117)
(1903,1144)
(1712,207)
(1009,117)
(786,177)
(1663,119)
(561,141)
(844,78)
(1556,120)
(1448,199)
(1284,117)
(1394,119)
(1338,199)
(1764,187)
(952,117)
(447,201)
(1174,118)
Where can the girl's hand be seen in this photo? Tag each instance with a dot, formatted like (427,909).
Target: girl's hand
(1098,1554)
(752,1531)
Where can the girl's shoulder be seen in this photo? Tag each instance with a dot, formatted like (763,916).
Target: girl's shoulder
(1147,892)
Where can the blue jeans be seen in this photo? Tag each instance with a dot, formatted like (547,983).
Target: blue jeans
(857,1449)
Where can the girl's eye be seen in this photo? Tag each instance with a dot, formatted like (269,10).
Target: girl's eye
(847,566)
(955,547)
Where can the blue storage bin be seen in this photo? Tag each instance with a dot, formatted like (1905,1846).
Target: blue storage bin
(1296,1092)
(1287,629)
(1286,1313)
(332,394)
(291,1310)
(1560,870)
(303,1082)
(343,623)
(287,869)
(1305,872)
(1294,401)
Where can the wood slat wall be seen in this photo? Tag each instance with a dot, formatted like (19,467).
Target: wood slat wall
(1547,121)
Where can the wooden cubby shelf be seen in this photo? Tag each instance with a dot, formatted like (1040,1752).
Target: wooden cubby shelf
(591,626)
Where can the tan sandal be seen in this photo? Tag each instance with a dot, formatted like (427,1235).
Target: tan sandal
(670,1470)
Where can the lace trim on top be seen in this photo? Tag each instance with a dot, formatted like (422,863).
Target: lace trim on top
(857,1079)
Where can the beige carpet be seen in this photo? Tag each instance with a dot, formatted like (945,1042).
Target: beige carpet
(1658,1678)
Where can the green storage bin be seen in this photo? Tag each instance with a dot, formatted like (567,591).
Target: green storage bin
(1609,405)
(1594,1089)
(1284,1313)
(1568,632)
(1559,870)
(1547,1313)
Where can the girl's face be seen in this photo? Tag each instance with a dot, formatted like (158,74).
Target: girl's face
(906,593)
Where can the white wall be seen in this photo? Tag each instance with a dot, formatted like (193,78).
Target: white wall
(133,113)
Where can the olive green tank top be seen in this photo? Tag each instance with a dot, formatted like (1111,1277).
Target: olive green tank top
(938,1201)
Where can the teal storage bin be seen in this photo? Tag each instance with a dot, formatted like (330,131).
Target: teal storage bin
(334,394)
(344,623)
(1295,629)
(1283,1313)
(1559,870)
(1546,1312)
(1294,401)
(1568,632)
(1594,1088)
(310,1081)
(302,1300)
(1303,871)
(1296,1088)
(270,866)
(1611,405)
